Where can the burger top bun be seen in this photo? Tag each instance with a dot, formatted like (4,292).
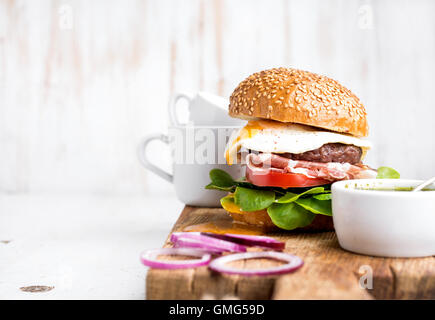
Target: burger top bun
(291,95)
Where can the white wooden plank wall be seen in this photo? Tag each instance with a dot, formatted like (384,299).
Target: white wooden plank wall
(82,81)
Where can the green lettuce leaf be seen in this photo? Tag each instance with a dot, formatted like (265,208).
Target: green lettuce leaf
(253,200)
(289,216)
(387,173)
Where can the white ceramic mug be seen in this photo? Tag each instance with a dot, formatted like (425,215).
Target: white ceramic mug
(195,151)
(205,109)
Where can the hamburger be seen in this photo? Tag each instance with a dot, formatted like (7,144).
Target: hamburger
(304,132)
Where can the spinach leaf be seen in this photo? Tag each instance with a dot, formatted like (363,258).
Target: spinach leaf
(221,180)
(290,196)
(324,196)
(316,206)
(387,173)
(253,200)
(289,216)
(212,186)
(246,184)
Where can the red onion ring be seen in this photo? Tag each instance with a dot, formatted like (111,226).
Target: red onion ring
(249,240)
(190,243)
(206,242)
(149,258)
(293,264)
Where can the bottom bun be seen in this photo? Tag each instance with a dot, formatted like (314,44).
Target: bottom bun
(262,219)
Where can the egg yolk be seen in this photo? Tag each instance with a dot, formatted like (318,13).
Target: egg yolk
(247,132)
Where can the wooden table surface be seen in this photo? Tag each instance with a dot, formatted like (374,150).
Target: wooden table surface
(329,272)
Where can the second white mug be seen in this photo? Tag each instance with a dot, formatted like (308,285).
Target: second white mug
(195,151)
(205,109)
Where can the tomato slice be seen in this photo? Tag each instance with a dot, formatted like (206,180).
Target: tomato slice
(283,180)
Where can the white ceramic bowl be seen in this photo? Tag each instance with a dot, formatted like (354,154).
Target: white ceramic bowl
(384,223)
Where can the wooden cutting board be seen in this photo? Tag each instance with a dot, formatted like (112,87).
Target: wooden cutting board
(329,272)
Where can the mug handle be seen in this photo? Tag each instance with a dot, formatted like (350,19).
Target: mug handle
(141,152)
(172,106)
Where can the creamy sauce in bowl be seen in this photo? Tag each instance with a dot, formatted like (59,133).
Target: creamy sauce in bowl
(409,189)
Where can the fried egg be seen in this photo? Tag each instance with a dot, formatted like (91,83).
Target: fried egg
(278,137)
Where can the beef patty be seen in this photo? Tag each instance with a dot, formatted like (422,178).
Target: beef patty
(330,152)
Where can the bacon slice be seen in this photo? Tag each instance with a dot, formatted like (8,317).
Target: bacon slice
(331,171)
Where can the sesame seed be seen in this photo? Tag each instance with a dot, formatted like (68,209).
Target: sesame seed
(315,94)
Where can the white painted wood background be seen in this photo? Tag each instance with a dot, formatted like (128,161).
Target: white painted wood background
(82,81)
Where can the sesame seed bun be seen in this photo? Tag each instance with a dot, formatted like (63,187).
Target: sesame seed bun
(291,95)
(261,219)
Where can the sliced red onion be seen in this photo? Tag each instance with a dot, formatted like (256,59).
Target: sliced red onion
(207,243)
(149,258)
(293,264)
(249,240)
(191,243)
